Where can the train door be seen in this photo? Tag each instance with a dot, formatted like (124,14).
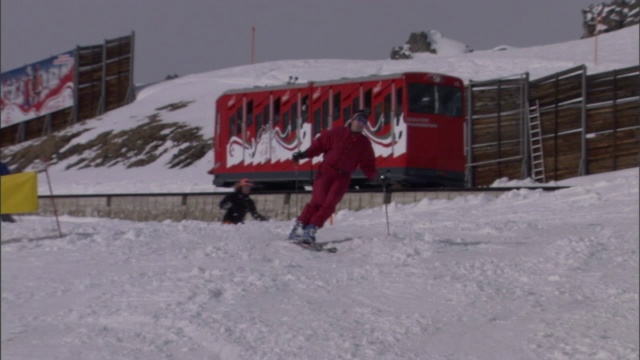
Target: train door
(223,131)
(435,123)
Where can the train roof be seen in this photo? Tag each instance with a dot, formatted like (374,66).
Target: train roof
(330,82)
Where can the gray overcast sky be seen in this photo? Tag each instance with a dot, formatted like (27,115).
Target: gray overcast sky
(190,36)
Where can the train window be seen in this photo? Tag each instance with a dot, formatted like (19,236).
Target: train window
(325,114)
(276,112)
(368,99)
(249,114)
(265,115)
(450,101)
(435,99)
(305,108)
(377,113)
(294,116)
(336,106)
(285,121)
(240,120)
(232,126)
(355,104)
(422,98)
(317,122)
(387,109)
(399,103)
(346,114)
(258,122)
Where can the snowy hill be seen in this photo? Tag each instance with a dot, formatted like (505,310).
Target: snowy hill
(199,91)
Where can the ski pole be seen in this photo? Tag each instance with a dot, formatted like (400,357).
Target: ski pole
(386,212)
(296,188)
(53,202)
(385,182)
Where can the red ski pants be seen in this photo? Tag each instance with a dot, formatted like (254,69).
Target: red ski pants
(329,187)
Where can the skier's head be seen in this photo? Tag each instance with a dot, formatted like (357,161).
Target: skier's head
(358,121)
(244,184)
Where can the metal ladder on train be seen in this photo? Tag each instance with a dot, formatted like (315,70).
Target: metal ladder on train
(535,142)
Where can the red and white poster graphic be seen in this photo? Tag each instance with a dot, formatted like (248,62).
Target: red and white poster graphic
(37,89)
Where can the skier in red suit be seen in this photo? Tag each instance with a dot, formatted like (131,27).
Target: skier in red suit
(345,149)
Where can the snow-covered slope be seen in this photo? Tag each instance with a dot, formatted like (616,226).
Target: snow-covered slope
(615,50)
(531,275)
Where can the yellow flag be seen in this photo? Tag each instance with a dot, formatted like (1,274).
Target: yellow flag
(19,193)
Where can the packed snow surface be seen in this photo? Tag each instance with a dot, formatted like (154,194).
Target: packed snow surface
(530,275)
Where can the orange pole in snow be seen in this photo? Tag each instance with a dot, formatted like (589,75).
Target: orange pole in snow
(595,50)
(253,43)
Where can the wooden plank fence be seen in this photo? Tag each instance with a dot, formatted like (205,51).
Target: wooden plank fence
(495,138)
(589,124)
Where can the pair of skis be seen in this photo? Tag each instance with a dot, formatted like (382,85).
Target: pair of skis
(320,246)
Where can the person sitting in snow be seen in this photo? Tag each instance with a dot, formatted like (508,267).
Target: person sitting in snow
(238,204)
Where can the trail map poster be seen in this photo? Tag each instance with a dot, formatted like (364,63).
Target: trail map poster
(37,89)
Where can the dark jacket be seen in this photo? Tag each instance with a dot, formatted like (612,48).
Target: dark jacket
(345,151)
(238,205)
(4,170)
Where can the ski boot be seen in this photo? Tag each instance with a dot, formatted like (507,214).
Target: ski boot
(295,233)
(309,234)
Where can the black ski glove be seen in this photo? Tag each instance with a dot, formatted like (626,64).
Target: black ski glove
(298,155)
(384,179)
(260,217)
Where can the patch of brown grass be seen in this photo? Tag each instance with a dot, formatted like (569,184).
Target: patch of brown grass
(136,147)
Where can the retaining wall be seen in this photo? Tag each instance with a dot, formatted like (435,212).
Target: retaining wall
(204,206)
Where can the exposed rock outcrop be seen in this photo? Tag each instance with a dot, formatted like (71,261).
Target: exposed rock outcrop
(431,42)
(607,17)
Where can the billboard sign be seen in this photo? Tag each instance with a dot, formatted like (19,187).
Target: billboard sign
(37,89)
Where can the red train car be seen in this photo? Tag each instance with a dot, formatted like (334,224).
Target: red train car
(416,128)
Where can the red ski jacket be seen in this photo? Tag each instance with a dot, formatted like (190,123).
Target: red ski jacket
(345,150)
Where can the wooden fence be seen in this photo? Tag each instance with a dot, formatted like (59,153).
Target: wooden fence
(495,144)
(103,82)
(613,127)
(559,101)
(588,124)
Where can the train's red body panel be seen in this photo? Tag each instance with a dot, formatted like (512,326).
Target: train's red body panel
(416,128)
